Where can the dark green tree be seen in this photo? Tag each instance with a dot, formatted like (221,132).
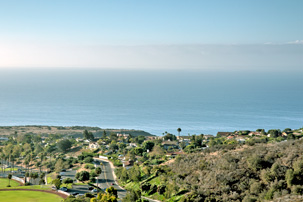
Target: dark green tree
(64,145)
(104,136)
(83,176)
(148,145)
(9,177)
(57,183)
(179,131)
(98,171)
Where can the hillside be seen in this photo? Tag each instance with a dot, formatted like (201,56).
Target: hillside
(250,173)
(231,172)
(65,130)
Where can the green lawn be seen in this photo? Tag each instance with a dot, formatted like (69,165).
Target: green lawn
(42,187)
(10,169)
(28,196)
(4,183)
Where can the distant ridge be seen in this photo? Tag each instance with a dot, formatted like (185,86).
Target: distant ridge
(74,131)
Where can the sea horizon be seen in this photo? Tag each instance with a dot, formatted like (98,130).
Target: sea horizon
(198,102)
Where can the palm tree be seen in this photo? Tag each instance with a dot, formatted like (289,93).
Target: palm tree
(179,130)
(9,176)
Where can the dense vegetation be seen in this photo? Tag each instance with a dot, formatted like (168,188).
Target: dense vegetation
(246,173)
(233,166)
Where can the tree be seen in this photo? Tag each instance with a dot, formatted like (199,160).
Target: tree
(64,145)
(148,145)
(112,191)
(98,171)
(179,130)
(34,176)
(9,176)
(132,195)
(83,176)
(42,176)
(135,173)
(139,139)
(68,181)
(113,146)
(57,183)
(59,165)
(88,135)
(104,136)
(170,137)
(26,176)
(113,136)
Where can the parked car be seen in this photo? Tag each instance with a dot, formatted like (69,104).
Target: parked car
(94,190)
(74,193)
(63,189)
(90,188)
(112,183)
(54,188)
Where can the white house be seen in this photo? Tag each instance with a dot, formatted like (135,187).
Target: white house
(93,146)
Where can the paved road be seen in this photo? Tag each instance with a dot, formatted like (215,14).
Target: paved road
(106,179)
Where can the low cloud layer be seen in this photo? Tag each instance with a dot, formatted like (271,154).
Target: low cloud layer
(209,57)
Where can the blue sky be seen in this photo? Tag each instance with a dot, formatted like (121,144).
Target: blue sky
(94,33)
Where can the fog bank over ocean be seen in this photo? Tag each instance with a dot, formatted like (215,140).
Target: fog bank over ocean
(152,100)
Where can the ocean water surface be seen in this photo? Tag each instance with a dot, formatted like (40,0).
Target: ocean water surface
(155,101)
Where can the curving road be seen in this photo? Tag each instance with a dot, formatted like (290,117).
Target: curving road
(106,178)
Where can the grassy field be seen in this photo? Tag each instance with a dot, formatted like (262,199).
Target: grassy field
(41,187)
(28,196)
(4,183)
(10,169)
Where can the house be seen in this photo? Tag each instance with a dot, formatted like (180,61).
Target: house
(93,146)
(79,139)
(128,164)
(173,154)
(123,135)
(170,144)
(132,144)
(224,134)
(3,138)
(208,136)
(182,137)
(230,137)
(241,138)
(153,137)
(186,141)
(254,134)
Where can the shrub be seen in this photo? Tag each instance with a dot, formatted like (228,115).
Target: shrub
(249,199)
(88,159)
(89,166)
(297,189)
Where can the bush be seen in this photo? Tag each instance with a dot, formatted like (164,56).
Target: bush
(249,199)
(297,189)
(88,159)
(89,166)
(89,195)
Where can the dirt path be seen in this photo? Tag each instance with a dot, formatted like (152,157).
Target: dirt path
(46,191)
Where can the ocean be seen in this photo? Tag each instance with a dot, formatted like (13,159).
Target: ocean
(152,100)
